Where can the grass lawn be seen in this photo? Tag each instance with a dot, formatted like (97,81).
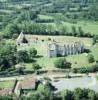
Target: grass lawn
(76,60)
(7,84)
(44,17)
(94,51)
(79,61)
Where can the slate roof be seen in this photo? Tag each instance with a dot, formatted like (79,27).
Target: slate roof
(26,83)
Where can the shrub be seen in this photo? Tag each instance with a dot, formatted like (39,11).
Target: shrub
(90,58)
(91,69)
(36,66)
(62,63)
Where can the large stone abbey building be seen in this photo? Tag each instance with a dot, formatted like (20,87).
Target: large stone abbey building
(55,49)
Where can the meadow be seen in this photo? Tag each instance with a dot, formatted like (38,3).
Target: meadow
(6,84)
(79,60)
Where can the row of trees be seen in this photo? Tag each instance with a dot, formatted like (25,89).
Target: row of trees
(42,29)
(84,69)
(27,21)
(46,94)
(54,9)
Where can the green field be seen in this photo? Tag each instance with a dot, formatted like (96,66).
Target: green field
(44,17)
(87,26)
(52,12)
(7,84)
(79,60)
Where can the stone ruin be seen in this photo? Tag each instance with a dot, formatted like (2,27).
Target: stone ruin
(55,49)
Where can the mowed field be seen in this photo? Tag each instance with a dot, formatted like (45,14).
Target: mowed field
(79,60)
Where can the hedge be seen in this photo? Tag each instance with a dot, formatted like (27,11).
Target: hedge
(85,69)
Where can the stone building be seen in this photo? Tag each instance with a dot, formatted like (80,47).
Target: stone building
(56,49)
(21,39)
(25,85)
(25,39)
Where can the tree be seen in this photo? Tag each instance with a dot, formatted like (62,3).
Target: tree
(45,91)
(78,94)
(36,66)
(10,29)
(74,31)
(32,52)
(91,95)
(7,55)
(22,56)
(90,58)
(62,63)
(68,95)
(81,32)
(95,38)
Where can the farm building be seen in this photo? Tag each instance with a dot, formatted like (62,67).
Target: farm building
(55,49)
(24,39)
(21,39)
(28,83)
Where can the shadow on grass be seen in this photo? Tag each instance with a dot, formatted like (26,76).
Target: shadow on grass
(38,56)
(87,51)
(33,60)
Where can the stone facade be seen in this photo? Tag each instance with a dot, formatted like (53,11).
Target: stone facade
(20,38)
(55,49)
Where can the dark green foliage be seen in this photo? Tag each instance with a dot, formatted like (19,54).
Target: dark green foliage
(7,55)
(80,33)
(32,52)
(62,63)
(74,31)
(93,68)
(26,55)
(26,17)
(11,29)
(77,94)
(95,39)
(45,93)
(68,95)
(36,66)
(22,56)
(90,58)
